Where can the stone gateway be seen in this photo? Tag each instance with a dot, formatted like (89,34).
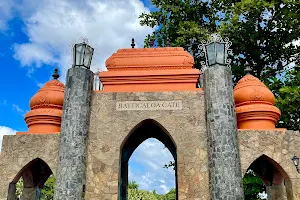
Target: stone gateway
(85,137)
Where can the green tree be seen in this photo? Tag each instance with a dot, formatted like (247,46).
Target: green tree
(171,195)
(287,93)
(19,187)
(252,186)
(48,189)
(133,185)
(181,23)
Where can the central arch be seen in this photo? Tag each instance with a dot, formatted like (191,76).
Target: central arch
(146,129)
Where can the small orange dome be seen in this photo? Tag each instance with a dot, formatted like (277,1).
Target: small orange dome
(46,108)
(51,94)
(254,104)
(250,88)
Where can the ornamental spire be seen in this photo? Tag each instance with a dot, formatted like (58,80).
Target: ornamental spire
(55,75)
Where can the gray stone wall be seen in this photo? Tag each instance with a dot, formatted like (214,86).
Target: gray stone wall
(70,180)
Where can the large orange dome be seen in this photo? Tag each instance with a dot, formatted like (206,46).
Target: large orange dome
(254,104)
(46,108)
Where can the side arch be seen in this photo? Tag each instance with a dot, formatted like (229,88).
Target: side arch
(34,175)
(275,178)
(144,130)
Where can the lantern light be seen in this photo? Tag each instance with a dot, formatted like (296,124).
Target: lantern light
(215,51)
(82,55)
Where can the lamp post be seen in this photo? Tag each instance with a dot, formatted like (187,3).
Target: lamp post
(223,154)
(70,176)
(82,55)
(295,160)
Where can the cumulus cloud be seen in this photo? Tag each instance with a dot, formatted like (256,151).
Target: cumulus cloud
(53,26)
(146,167)
(5,131)
(6,9)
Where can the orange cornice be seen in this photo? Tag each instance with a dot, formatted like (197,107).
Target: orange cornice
(150,69)
(149,59)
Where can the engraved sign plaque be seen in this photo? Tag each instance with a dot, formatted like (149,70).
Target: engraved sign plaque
(148,105)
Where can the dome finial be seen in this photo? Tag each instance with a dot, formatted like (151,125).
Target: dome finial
(248,69)
(55,75)
(132,43)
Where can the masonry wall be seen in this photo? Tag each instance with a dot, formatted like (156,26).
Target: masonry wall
(18,150)
(109,128)
(277,145)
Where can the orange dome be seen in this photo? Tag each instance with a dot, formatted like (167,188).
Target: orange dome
(51,94)
(46,108)
(254,104)
(250,88)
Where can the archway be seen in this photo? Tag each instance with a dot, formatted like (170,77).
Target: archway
(33,175)
(277,182)
(146,129)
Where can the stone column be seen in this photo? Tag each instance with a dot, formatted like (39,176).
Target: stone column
(276,192)
(11,192)
(29,193)
(70,178)
(224,160)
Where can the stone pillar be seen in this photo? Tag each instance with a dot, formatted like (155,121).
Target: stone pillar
(276,192)
(12,192)
(38,193)
(224,160)
(70,178)
(29,193)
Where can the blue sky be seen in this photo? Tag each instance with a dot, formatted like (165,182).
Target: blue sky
(36,36)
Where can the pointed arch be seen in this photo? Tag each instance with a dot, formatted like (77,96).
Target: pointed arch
(34,175)
(144,130)
(273,176)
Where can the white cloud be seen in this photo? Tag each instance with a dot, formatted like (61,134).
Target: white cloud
(52,27)
(18,109)
(5,131)
(146,167)
(6,9)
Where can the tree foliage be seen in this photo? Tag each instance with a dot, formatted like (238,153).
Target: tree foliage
(253,186)
(135,194)
(287,93)
(48,189)
(133,185)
